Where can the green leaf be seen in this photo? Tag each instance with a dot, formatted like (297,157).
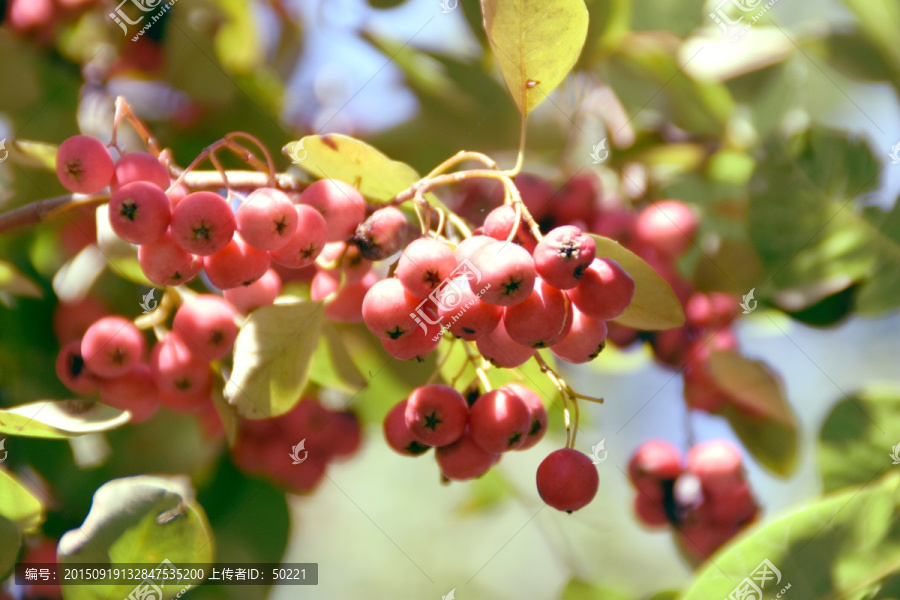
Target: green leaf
(858,437)
(121,256)
(227,414)
(751,386)
(237,40)
(143,519)
(842,547)
(28,153)
(60,419)
(654,305)
(536,43)
(337,156)
(10,542)
(772,444)
(74,279)
(272,354)
(19,505)
(13,282)
(332,366)
(582,590)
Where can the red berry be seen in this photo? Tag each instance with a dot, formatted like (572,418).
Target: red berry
(112,346)
(717,463)
(469,246)
(538,426)
(650,511)
(397,432)
(83,164)
(714,310)
(536,193)
(71,319)
(340,203)
(267,219)
(135,392)
(701,391)
(140,166)
(387,308)
(183,379)
(576,200)
(584,341)
(416,345)
(605,291)
(436,415)
(261,292)
(732,506)
(202,223)
(139,212)
(499,420)
(669,226)
(541,320)
(567,480)
(382,234)
(501,350)
(504,274)
(165,263)
(352,266)
(72,371)
(653,462)
(307,241)
(463,313)
(343,433)
(562,257)
(500,222)
(206,322)
(346,305)
(464,459)
(424,265)
(237,264)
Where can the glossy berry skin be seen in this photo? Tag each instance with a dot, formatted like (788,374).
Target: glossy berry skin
(464,459)
(340,203)
(501,350)
(206,323)
(500,222)
(267,219)
(83,164)
(506,274)
(417,345)
(72,371)
(562,256)
(386,310)
(464,314)
(669,226)
(183,379)
(584,341)
(165,263)
(397,433)
(135,392)
(202,223)
(499,421)
(112,346)
(382,234)
(307,242)
(140,166)
(424,265)
(436,415)
(653,462)
(717,463)
(540,321)
(605,291)
(261,292)
(469,246)
(237,264)
(538,426)
(139,212)
(567,480)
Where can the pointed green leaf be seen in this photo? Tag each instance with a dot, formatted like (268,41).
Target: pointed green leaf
(772,444)
(12,281)
(272,353)
(332,366)
(19,505)
(60,419)
(654,305)
(10,542)
(536,43)
(29,153)
(583,590)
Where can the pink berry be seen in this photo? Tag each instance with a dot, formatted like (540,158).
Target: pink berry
(500,222)
(340,203)
(112,346)
(469,246)
(307,241)
(135,392)
(387,308)
(504,274)
(501,350)
(541,320)
(563,255)
(424,265)
(165,263)
(538,426)
(184,380)
(382,234)
(463,313)
(346,305)
(72,371)
(605,291)
(417,345)
(669,226)
(584,341)
(267,219)
(71,319)
(653,462)
(140,166)
(499,420)
(701,391)
(536,193)
(576,200)
(139,212)
(206,322)
(714,310)
(261,292)
(397,432)
(732,506)
(650,511)
(350,263)
(717,463)
(83,164)
(237,264)
(464,459)
(436,415)
(567,480)
(202,223)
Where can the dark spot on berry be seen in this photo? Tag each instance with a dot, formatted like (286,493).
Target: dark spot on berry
(535,427)
(395,333)
(515,439)
(74,169)
(309,252)
(432,421)
(597,352)
(415,447)
(216,337)
(511,287)
(201,232)
(539,344)
(280,226)
(177,276)
(76,365)
(579,271)
(568,250)
(432,278)
(183,384)
(118,357)
(469,330)
(128,210)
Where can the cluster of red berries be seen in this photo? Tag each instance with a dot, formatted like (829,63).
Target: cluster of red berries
(265,447)
(40,16)
(708,501)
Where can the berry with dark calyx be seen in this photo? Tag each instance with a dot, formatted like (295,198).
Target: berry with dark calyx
(464,459)
(464,314)
(341,204)
(397,433)
(206,323)
(140,166)
(72,371)
(538,426)
(237,264)
(346,305)
(261,292)
(717,463)
(504,274)
(417,345)
(605,291)
(436,415)
(183,379)
(267,219)
(83,164)
(135,392)
(386,310)
(424,265)
(650,510)
(562,257)
(306,243)
(584,341)
(499,421)
(382,234)
(501,350)
(500,222)
(653,462)
(165,263)
(112,346)
(139,212)
(540,321)
(202,223)
(669,226)
(567,480)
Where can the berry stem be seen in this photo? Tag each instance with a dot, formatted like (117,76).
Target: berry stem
(482,376)
(440,365)
(123,111)
(459,157)
(520,158)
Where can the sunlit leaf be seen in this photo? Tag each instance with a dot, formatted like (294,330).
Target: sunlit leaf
(332,366)
(121,257)
(29,153)
(772,444)
(272,354)
(18,505)
(582,590)
(10,542)
(60,419)
(13,282)
(536,43)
